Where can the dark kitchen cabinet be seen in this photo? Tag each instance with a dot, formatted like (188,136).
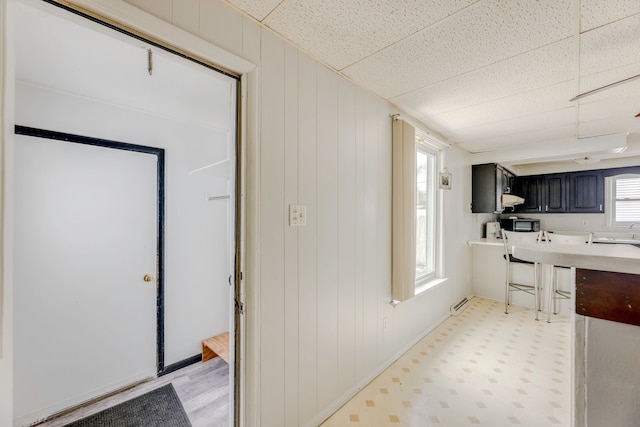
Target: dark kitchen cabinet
(488,183)
(586,192)
(542,193)
(530,189)
(555,193)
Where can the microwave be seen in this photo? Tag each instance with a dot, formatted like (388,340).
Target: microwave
(520,224)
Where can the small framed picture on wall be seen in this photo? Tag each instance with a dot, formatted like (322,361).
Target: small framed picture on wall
(445,180)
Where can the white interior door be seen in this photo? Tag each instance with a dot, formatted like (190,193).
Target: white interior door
(85,237)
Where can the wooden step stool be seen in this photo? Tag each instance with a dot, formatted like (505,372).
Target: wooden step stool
(216,346)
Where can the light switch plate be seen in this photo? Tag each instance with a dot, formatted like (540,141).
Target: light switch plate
(297,214)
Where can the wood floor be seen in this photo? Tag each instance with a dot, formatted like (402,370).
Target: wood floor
(203,389)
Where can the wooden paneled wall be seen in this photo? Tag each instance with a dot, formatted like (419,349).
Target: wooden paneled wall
(317,294)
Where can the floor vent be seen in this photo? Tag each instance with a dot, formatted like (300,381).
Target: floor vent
(459,307)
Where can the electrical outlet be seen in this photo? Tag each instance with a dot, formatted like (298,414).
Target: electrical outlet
(585,222)
(297,214)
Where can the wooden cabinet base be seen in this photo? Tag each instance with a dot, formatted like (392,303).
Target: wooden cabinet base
(216,346)
(609,296)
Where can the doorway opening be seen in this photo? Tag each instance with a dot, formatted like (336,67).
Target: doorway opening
(76,76)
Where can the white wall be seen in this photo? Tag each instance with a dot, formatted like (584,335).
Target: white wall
(6,290)
(197,237)
(319,293)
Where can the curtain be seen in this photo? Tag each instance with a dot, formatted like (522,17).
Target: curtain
(403,268)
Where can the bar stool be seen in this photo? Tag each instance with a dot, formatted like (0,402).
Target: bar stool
(510,239)
(554,294)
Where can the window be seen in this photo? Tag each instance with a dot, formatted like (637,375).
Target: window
(416,263)
(625,199)
(425,214)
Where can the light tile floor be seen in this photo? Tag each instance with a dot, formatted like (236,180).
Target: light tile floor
(481,368)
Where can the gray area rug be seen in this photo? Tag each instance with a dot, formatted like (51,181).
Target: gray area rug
(159,407)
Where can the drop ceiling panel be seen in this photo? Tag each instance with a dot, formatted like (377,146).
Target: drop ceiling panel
(532,70)
(595,13)
(612,46)
(495,143)
(530,103)
(466,41)
(604,78)
(607,126)
(622,102)
(533,137)
(341,32)
(517,126)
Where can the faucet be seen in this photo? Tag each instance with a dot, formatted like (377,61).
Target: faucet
(634,236)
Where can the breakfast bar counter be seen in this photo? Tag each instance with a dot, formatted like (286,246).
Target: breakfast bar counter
(615,258)
(605,329)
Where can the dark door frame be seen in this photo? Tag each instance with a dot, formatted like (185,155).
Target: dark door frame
(159,153)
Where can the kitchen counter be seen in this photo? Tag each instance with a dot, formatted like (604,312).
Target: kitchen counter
(486,242)
(605,329)
(621,258)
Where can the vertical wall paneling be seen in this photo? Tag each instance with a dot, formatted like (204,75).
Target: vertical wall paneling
(6,285)
(327,197)
(272,222)
(221,25)
(347,218)
(159,8)
(307,378)
(186,15)
(384,231)
(291,236)
(369,215)
(359,232)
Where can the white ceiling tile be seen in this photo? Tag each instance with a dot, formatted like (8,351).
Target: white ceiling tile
(596,13)
(532,137)
(516,127)
(539,68)
(609,126)
(531,103)
(258,9)
(482,34)
(604,78)
(622,101)
(341,32)
(612,46)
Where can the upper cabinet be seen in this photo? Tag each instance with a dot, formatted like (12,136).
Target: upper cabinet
(530,189)
(555,193)
(488,183)
(586,192)
(572,192)
(542,193)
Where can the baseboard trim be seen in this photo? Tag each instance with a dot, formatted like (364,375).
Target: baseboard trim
(181,364)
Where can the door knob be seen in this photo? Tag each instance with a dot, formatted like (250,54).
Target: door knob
(147,278)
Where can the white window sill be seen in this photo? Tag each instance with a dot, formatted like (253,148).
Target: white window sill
(433,283)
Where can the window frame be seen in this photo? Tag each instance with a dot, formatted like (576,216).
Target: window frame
(431,278)
(612,199)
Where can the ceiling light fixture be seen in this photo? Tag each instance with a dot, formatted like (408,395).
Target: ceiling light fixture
(586,160)
(600,89)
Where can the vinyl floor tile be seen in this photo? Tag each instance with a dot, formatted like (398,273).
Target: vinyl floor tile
(482,368)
